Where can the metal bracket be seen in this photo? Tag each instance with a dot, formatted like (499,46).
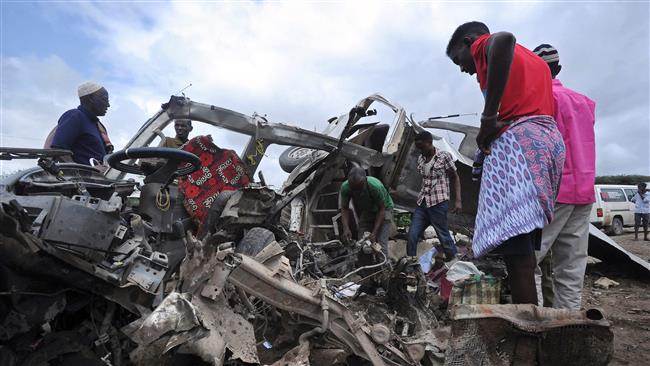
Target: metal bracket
(215,285)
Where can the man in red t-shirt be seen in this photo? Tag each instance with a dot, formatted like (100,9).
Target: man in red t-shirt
(520,149)
(520,82)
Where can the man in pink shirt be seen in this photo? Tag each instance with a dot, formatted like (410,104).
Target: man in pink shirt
(568,234)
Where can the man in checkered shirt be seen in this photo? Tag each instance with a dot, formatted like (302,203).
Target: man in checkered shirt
(437,169)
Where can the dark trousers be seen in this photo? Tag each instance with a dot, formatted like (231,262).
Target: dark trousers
(435,216)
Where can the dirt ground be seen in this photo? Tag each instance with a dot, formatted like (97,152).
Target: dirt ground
(627,306)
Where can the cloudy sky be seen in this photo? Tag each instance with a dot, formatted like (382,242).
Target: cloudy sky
(302,63)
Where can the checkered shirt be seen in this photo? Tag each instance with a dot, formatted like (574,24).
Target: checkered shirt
(435,184)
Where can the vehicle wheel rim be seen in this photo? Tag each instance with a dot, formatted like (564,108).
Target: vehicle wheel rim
(299,153)
(618,226)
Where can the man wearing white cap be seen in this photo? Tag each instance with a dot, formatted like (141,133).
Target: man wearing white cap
(79,129)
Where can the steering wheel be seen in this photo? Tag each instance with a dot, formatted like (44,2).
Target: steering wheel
(193,163)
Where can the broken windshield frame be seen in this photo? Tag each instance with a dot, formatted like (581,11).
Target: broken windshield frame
(262,133)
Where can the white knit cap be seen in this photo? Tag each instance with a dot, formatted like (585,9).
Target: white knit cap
(88,88)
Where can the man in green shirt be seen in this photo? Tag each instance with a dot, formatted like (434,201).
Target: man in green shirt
(372,203)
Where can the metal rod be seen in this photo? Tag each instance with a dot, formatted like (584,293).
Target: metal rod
(454,115)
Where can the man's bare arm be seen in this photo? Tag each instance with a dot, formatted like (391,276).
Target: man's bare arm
(379,220)
(455,180)
(500,51)
(344,204)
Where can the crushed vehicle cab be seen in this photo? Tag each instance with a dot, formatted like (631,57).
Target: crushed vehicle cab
(318,162)
(86,265)
(90,275)
(71,250)
(81,218)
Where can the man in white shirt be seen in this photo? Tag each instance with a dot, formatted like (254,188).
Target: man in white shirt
(641,211)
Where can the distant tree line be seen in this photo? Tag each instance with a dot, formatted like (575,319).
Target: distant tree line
(622,179)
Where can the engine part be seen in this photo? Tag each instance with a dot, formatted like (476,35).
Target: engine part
(148,272)
(86,225)
(380,333)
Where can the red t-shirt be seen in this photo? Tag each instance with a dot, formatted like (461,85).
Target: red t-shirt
(528,91)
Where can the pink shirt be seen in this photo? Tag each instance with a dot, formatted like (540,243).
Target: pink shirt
(575,117)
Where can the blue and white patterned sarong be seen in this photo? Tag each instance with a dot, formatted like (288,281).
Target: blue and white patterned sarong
(519,182)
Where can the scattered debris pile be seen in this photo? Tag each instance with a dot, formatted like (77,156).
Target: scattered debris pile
(251,293)
(241,295)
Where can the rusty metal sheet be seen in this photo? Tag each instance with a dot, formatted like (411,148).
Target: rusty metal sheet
(196,325)
(221,320)
(174,314)
(211,348)
(491,335)
(530,317)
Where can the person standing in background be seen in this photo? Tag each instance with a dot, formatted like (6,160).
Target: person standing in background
(641,211)
(372,203)
(183,127)
(80,131)
(437,169)
(567,236)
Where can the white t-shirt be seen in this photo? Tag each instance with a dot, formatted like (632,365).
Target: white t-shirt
(641,204)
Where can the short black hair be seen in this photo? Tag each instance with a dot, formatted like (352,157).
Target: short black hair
(642,185)
(424,136)
(554,67)
(469,28)
(185,120)
(356,174)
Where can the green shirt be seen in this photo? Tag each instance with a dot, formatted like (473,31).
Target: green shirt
(366,200)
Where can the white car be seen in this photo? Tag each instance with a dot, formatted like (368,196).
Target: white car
(613,209)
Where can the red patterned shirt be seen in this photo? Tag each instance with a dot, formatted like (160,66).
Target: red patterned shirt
(435,184)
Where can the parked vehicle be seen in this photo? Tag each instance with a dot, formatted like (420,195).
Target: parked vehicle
(613,209)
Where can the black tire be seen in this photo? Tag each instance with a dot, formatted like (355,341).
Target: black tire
(617,227)
(254,241)
(292,157)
